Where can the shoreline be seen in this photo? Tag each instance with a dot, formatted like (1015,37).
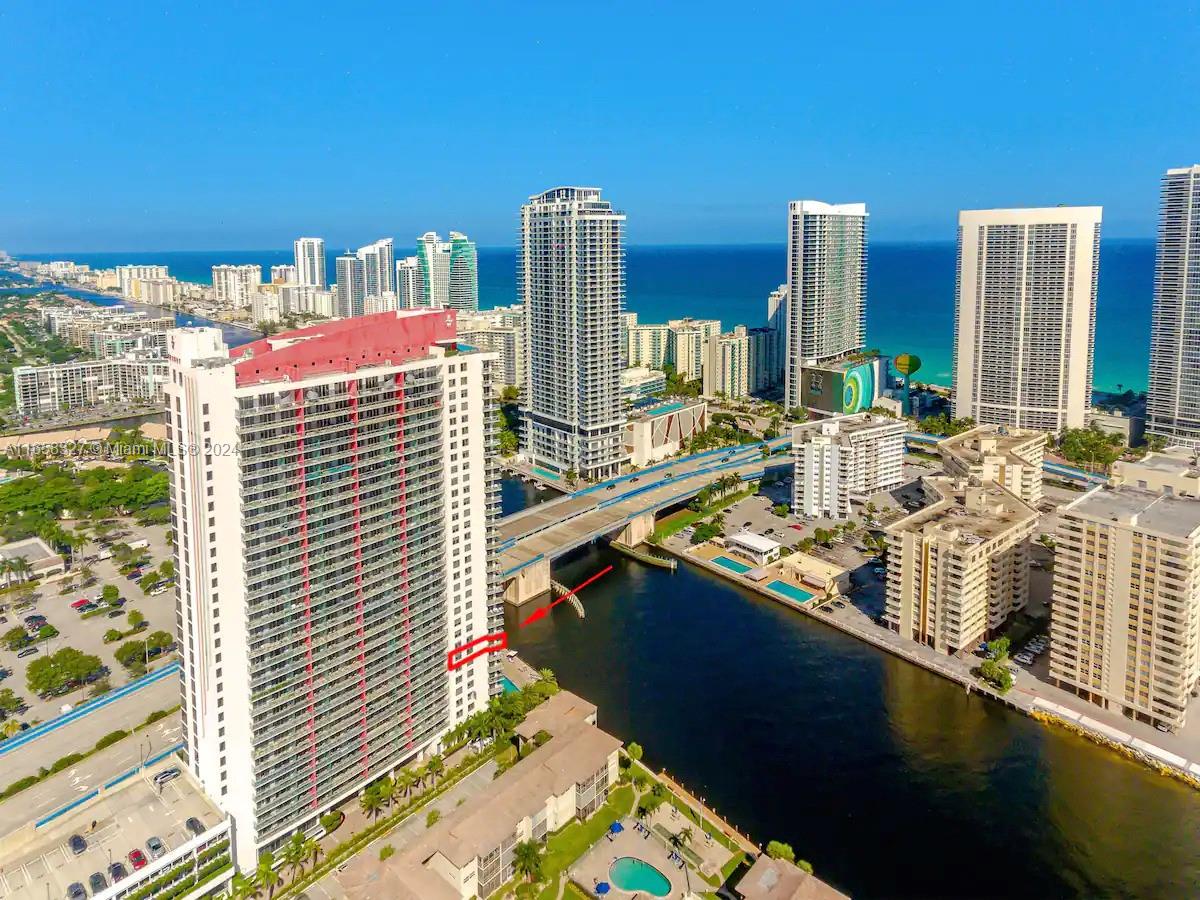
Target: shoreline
(1134,749)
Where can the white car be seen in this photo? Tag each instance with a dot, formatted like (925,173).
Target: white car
(1024,659)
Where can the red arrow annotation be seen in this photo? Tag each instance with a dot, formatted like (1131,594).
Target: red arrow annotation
(541,613)
(490,643)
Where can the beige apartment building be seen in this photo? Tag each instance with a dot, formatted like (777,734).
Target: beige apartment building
(1025,315)
(958,568)
(1011,457)
(1125,624)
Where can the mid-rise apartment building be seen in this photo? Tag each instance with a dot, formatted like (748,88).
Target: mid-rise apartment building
(959,568)
(1011,457)
(740,363)
(1125,620)
(350,294)
(285,274)
(1173,395)
(410,286)
(640,384)
(646,345)
(1025,316)
(334,496)
(54,389)
(309,254)
(507,341)
(826,299)
(129,278)
(235,285)
(687,345)
(572,277)
(628,319)
(843,458)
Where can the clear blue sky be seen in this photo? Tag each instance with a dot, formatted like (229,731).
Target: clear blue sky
(204,126)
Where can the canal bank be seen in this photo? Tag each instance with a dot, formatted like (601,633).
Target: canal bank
(808,735)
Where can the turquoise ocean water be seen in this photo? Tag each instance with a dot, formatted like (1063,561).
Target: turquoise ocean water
(910,305)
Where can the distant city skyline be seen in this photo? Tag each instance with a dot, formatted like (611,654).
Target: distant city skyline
(928,112)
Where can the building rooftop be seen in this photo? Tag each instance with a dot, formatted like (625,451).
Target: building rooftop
(1151,510)
(1173,460)
(556,715)
(755,542)
(344,345)
(848,425)
(778,879)
(975,445)
(969,510)
(33,550)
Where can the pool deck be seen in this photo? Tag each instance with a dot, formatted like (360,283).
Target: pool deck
(593,866)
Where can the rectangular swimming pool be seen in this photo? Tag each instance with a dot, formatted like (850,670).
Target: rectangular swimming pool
(731,564)
(790,591)
(665,408)
(508,685)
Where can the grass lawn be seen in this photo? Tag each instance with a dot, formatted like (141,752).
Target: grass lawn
(567,845)
(678,521)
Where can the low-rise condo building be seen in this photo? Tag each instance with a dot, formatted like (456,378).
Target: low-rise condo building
(469,852)
(50,390)
(844,458)
(488,331)
(1011,457)
(958,568)
(641,385)
(1125,622)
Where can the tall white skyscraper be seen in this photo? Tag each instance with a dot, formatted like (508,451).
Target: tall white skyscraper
(330,565)
(310,262)
(464,276)
(283,275)
(572,276)
(1025,316)
(235,285)
(777,321)
(379,268)
(351,295)
(1173,399)
(827,287)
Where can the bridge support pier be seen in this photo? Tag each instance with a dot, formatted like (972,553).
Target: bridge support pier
(528,584)
(637,530)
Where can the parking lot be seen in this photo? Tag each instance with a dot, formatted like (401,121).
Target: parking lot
(112,826)
(87,634)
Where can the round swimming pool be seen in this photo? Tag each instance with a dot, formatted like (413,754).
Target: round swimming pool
(632,874)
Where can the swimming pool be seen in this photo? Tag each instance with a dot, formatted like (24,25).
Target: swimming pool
(632,874)
(508,685)
(790,591)
(731,564)
(664,409)
(545,473)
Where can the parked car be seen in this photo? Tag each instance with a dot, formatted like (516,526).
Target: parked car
(195,826)
(797,527)
(116,872)
(137,859)
(116,614)
(154,592)
(134,575)
(35,619)
(28,651)
(76,892)
(82,601)
(166,775)
(97,882)
(879,571)
(155,847)
(87,607)
(104,554)
(77,844)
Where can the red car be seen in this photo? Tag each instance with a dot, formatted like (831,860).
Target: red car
(137,859)
(797,527)
(82,601)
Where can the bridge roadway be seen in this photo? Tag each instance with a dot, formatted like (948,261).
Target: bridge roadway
(548,530)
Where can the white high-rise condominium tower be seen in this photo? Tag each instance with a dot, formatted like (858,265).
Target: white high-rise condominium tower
(827,286)
(379,268)
(332,491)
(448,274)
(1173,399)
(572,276)
(410,290)
(310,262)
(234,285)
(350,299)
(1025,316)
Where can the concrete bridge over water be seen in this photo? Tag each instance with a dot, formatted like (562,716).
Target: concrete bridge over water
(623,508)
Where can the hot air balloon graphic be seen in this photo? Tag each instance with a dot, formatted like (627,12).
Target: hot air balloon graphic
(907,365)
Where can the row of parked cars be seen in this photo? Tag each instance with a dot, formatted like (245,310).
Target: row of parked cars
(1031,651)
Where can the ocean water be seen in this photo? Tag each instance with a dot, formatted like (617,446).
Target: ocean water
(910,292)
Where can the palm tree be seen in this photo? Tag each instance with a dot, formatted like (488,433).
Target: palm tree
(548,675)
(682,838)
(265,875)
(312,850)
(527,860)
(435,767)
(20,567)
(294,853)
(240,888)
(371,802)
(10,728)
(405,782)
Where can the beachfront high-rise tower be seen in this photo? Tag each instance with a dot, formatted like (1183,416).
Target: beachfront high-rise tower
(571,266)
(350,299)
(379,268)
(310,262)
(1173,398)
(1025,316)
(826,287)
(333,491)
(448,272)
